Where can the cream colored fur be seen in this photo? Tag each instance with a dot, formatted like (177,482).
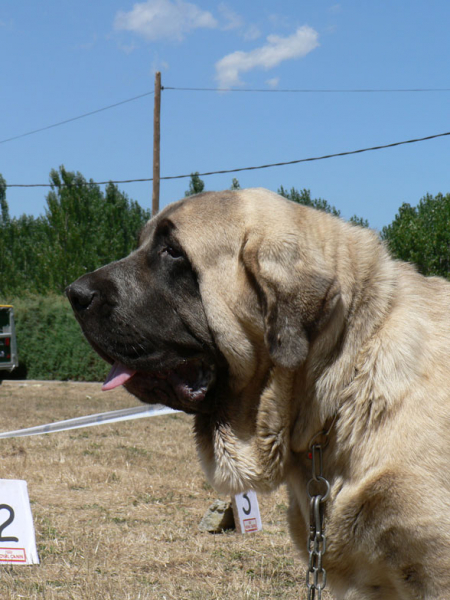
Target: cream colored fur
(316,320)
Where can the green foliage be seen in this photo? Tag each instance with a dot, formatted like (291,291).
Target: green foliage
(360,221)
(421,235)
(50,343)
(4,210)
(235,185)
(196,185)
(24,257)
(83,228)
(304,197)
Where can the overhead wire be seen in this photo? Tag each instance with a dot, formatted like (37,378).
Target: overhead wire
(240,169)
(308,91)
(88,114)
(237,170)
(232,90)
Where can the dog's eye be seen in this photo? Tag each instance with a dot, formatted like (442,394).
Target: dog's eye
(171,251)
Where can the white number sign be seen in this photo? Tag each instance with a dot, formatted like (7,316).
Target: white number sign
(17,539)
(248,512)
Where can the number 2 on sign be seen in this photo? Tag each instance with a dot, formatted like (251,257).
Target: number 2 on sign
(6,523)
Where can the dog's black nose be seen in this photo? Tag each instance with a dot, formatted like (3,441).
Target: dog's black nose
(81,295)
(93,294)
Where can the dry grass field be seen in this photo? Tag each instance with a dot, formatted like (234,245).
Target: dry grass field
(117,507)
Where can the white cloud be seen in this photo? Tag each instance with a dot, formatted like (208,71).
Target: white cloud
(233,20)
(251,33)
(164,19)
(158,64)
(277,50)
(128,48)
(273,83)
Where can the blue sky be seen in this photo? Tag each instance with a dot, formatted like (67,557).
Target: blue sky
(61,59)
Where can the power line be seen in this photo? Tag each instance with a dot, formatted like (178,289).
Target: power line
(225,171)
(93,112)
(199,89)
(309,91)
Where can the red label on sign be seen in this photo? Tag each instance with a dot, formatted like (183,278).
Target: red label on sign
(15,555)
(250,525)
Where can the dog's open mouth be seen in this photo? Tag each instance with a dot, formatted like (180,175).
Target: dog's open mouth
(184,387)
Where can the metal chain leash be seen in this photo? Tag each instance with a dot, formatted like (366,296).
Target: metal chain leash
(318,491)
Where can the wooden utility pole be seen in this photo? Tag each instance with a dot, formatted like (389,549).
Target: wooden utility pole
(156,144)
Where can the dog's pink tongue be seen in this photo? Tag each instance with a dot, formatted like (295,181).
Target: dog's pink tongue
(118,375)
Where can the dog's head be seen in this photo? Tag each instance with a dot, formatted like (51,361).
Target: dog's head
(223,289)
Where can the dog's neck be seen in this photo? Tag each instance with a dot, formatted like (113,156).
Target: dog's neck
(236,460)
(322,385)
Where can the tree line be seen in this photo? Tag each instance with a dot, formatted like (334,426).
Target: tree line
(84,228)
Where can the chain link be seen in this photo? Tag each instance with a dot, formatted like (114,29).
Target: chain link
(318,488)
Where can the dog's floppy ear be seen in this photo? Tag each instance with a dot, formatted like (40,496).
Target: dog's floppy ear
(297,295)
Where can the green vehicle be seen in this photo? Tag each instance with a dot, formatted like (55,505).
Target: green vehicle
(8,346)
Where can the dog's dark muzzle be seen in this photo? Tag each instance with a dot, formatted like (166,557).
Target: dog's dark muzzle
(92,295)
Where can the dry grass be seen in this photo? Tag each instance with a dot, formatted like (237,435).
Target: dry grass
(117,508)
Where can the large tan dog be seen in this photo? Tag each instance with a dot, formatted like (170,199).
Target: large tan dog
(271,322)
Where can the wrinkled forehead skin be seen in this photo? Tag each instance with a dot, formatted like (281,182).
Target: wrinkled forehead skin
(199,217)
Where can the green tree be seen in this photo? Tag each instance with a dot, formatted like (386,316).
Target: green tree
(4,209)
(5,235)
(87,228)
(82,229)
(421,235)
(360,221)
(235,185)
(196,185)
(304,197)
(125,218)
(20,249)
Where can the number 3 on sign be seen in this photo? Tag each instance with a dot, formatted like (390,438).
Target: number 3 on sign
(17,539)
(248,512)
